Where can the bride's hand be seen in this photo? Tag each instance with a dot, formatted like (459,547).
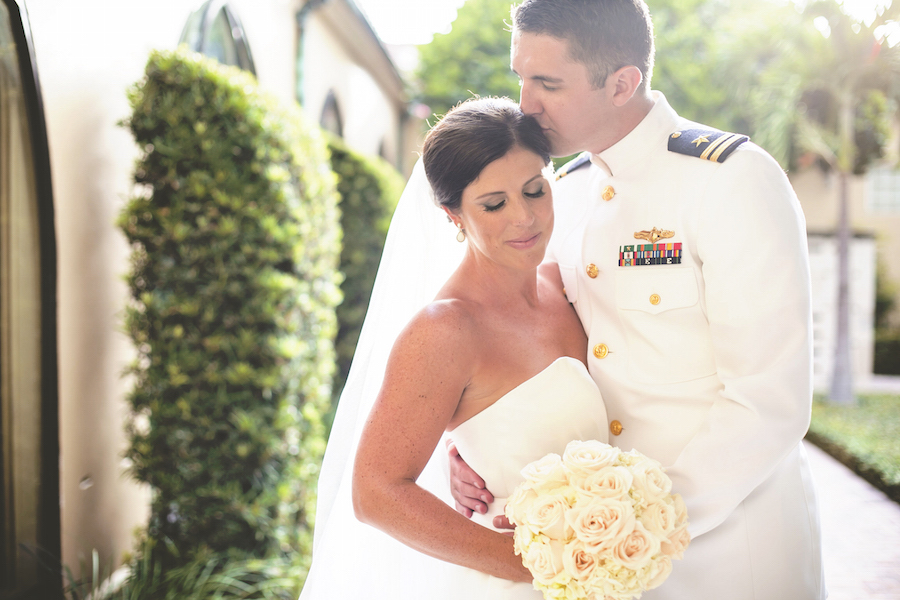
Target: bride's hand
(466,486)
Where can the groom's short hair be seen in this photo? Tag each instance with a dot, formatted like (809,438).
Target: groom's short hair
(603,35)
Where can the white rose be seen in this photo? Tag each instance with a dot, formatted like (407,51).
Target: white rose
(544,560)
(650,477)
(636,549)
(548,471)
(518,504)
(608,482)
(662,567)
(582,459)
(547,515)
(659,518)
(601,524)
(677,542)
(579,561)
(522,538)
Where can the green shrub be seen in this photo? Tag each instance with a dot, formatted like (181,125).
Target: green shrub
(887,352)
(369,188)
(864,436)
(235,239)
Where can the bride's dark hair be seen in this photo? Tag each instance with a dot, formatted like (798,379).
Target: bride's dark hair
(471,136)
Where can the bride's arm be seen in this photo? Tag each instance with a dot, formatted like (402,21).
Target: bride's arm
(428,370)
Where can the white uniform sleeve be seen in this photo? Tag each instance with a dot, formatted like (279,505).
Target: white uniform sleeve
(751,240)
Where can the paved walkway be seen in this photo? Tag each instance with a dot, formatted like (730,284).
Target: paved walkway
(860,533)
(885,384)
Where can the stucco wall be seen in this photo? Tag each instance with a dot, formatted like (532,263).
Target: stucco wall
(369,117)
(88,53)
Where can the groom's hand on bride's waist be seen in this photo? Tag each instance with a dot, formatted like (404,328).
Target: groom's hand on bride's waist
(467,487)
(501,522)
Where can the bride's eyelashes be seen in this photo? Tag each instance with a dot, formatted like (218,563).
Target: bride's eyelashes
(536,194)
(533,195)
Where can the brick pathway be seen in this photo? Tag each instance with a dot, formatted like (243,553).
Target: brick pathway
(860,533)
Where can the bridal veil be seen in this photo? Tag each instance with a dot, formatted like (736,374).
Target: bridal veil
(351,559)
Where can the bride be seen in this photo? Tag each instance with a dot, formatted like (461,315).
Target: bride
(496,358)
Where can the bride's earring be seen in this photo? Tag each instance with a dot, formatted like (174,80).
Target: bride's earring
(460,235)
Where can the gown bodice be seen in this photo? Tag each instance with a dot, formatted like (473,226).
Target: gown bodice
(539,416)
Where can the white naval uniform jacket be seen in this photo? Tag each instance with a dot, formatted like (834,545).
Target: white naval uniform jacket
(706,364)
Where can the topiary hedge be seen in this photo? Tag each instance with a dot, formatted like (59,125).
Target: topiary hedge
(235,236)
(369,189)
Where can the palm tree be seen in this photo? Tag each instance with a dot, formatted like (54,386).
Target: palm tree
(822,85)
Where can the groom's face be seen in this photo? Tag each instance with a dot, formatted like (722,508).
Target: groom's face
(558,92)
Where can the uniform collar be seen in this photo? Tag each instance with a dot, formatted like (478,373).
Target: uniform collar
(657,125)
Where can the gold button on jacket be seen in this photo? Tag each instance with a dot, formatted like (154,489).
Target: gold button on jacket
(615,428)
(655,299)
(592,271)
(601,350)
(609,193)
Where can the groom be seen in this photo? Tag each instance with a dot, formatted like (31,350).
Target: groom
(683,250)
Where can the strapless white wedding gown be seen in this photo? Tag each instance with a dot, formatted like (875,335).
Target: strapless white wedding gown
(540,416)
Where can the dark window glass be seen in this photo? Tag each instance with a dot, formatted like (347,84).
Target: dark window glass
(29,468)
(216,31)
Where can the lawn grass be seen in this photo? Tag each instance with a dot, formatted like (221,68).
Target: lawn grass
(864,436)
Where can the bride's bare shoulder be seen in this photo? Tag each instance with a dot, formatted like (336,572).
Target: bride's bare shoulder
(447,316)
(438,346)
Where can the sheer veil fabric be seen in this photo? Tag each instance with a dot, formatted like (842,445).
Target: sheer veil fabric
(350,559)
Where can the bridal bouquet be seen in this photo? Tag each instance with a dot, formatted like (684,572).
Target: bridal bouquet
(597,523)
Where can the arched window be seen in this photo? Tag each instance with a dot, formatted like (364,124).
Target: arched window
(29,413)
(215,30)
(331,116)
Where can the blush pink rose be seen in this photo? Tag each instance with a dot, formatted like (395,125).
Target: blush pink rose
(608,482)
(636,549)
(602,524)
(579,561)
(581,459)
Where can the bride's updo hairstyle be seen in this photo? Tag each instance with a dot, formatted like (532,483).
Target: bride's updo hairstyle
(471,136)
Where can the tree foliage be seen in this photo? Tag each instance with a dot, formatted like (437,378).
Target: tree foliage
(472,59)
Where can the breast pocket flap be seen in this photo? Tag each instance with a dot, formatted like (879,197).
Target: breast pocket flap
(655,291)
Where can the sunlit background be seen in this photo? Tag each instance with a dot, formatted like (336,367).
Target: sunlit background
(416,21)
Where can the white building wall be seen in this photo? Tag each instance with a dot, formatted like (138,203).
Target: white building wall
(369,117)
(824,268)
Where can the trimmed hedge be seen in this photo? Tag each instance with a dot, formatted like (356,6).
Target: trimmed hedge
(369,188)
(235,238)
(865,436)
(887,353)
